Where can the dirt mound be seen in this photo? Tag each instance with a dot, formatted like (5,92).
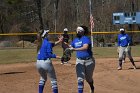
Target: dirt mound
(25,44)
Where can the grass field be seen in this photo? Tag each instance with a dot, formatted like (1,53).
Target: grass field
(29,55)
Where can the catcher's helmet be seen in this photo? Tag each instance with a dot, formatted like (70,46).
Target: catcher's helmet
(122,29)
(66,29)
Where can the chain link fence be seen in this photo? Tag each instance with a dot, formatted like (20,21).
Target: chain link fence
(25,40)
(58,14)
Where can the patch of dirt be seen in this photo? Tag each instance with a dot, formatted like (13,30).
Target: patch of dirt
(24,78)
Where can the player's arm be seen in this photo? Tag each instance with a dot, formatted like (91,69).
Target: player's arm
(60,39)
(85,47)
(58,57)
(118,48)
(129,40)
(50,51)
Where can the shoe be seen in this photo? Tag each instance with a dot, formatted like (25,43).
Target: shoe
(134,67)
(62,63)
(123,61)
(91,91)
(119,68)
(66,62)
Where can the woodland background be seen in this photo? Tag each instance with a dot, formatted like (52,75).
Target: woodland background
(22,15)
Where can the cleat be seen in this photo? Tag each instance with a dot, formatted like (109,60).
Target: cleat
(66,62)
(91,91)
(119,68)
(134,67)
(62,63)
(123,61)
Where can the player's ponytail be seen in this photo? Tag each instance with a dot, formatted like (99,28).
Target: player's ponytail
(39,40)
(86,31)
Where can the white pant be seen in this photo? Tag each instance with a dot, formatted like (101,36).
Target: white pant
(127,50)
(84,69)
(45,67)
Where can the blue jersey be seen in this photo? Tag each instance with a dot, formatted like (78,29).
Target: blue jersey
(46,50)
(123,40)
(79,42)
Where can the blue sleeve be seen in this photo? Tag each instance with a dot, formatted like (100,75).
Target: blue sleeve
(72,43)
(49,51)
(86,40)
(129,39)
(53,44)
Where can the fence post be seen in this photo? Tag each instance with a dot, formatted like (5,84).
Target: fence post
(23,41)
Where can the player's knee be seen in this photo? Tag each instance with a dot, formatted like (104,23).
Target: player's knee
(89,80)
(54,84)
(42,82)
(120,59)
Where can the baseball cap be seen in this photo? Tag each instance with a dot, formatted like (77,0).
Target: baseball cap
(44,33)
(122,29)
(65,29)
(79,29)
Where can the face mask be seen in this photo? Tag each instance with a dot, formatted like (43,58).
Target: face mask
(122,32)
(65,32)
(79,35)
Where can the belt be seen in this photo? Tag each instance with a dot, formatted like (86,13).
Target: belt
(87,58)
(44,59)
(123,46)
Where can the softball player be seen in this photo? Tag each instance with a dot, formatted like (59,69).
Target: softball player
(44,63)
(85,62)
(123,43)
(65,42)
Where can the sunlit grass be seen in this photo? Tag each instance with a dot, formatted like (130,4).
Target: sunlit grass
(17,55)
(29,55)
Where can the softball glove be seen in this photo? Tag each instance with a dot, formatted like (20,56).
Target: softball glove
(66,55)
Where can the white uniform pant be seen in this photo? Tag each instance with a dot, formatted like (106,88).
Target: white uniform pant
(84,69)
(45,67)
(127,50)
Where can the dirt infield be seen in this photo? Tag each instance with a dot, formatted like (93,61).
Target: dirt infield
(23,78)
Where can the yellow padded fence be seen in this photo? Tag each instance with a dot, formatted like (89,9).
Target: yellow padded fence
(19,34)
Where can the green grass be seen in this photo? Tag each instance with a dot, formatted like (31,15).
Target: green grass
(17,55)
(29,55)
(106,52)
